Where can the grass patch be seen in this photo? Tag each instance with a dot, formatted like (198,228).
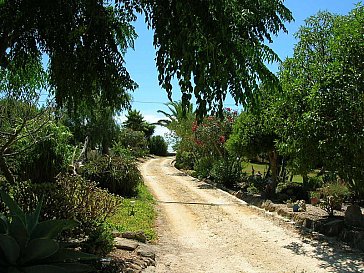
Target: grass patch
(263,167)
(138,217)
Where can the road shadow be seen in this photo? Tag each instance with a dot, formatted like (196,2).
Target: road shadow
(340,260)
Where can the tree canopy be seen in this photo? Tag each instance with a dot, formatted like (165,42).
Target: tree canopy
(211,47)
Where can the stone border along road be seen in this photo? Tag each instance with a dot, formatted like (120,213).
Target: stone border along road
(205,230)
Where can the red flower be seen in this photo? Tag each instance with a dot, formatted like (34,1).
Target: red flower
(222,139)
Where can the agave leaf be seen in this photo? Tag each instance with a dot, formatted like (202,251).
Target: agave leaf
(38,249)
(50,229)
(33,218)
(18,231)
(70,255)
(10,248)
(44,269)
(4,224)
(13,207)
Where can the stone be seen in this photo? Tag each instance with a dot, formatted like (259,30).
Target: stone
(333,228)
(115,233)
(128,235)
(126,244)
(140,236)
(307,223)
(354,216)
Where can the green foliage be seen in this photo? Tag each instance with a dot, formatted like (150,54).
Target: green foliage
(227,171)
(213,47)
(203,166)
(158,146)
(47,154)
(184,160)
(135,121)
(100,241)
(70,197)
(211,134)
(143,218)
(27,245)
(134,141)
(117,174)
(84,43)
(320,111)
(333,195)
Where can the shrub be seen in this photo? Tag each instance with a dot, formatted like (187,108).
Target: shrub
(184,160)
(314,183)
(158,146)
(46,156)
(227,171)
(100,241)
(119,175)
(134,141)
(203,167)
(70,197)
(27,245)
(333,195)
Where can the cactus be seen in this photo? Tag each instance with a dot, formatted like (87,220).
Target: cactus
(30,246)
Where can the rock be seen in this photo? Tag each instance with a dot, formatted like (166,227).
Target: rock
(308,223)
(139,236)
(146,252)
(128,235)
(126,244)
(115,233)
(333,228)
(354,216)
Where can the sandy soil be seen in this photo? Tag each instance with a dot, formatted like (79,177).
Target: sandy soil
(203,229)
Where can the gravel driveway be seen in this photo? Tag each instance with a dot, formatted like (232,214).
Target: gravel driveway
(203,229)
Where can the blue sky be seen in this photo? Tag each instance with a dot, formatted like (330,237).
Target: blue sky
(149,97)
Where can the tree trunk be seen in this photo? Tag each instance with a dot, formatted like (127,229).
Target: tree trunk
(6,171)
(273,160)
(305,181)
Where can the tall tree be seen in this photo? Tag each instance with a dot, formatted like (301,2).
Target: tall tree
(211,47)
(322,108)
(135,121)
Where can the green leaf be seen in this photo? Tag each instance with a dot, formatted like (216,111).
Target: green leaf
(18,231)
(50,229)
(33,218)
(39,249)
(13,207)
(10,248)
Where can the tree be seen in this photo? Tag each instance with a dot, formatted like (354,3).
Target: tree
(135,121)
(321,108)
(211,47)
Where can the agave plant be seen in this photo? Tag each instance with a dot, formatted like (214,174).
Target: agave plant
(30,246)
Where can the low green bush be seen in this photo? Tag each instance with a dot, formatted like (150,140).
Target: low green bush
(158,146)
(203,166)
(70,197)
(332,196)
(184,160)
(119,175)
(100,241)
(134,141)
(227,171)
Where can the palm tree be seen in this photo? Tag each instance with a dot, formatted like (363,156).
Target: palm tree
(178,113)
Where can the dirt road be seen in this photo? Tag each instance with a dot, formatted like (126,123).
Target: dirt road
(205,230)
